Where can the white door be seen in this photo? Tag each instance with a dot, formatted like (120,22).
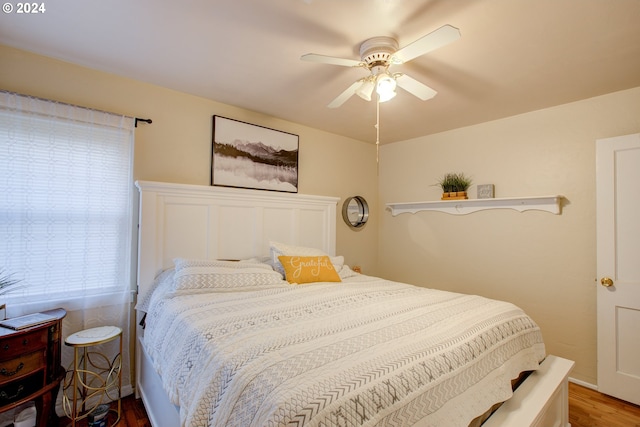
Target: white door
(618,265)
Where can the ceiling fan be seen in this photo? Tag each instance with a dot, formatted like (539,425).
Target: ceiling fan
(377,54)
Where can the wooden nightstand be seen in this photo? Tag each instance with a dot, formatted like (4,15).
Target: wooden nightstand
(30,366)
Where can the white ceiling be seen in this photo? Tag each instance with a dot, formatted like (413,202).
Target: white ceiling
(514,56)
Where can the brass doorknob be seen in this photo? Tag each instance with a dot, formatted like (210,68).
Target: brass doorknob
(606,282)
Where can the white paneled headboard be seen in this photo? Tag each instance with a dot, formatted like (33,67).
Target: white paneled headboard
(205,222)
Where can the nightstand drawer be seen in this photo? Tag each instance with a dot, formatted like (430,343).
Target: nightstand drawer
(21,366)
(23,343)
(16,390)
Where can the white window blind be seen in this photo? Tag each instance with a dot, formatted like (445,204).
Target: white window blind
(65,200)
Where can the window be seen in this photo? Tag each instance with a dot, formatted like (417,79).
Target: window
(65,201)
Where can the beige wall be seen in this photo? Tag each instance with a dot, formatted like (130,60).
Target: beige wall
(542,262)
(177,146)
(545,263)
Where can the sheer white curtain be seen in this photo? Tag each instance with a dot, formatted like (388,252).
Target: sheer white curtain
(66,196)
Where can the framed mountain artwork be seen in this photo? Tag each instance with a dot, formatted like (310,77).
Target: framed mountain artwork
(251,156)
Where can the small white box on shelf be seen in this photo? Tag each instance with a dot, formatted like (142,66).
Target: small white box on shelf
(486,191)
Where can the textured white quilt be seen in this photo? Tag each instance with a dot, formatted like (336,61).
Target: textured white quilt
(362,352)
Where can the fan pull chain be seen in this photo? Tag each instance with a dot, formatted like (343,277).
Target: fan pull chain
(378,136)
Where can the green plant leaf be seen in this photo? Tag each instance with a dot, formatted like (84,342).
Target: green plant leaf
(451,182)
(7,282)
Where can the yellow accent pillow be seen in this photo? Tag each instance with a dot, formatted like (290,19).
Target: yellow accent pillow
(309,269)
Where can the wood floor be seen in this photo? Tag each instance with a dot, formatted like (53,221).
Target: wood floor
(587,408)
(133,415)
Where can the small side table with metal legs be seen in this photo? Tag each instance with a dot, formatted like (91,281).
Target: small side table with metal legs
(94,379)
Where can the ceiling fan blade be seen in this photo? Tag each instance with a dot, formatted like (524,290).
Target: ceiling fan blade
(342,98)
(414,87)
(312,57)
(432,41)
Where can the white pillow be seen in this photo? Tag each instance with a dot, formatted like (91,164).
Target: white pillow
(193,265)
(338,262)
(277,249)
(347,272)
(162,281)
(196,276)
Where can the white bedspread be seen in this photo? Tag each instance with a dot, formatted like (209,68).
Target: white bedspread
(362,352)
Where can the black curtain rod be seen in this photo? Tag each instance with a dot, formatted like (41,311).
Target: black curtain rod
(138,119)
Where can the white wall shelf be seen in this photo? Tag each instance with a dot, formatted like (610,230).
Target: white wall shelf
(552,204)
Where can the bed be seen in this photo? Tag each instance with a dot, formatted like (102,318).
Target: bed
(234,343)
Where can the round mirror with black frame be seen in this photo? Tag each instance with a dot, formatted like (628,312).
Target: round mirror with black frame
(355,212)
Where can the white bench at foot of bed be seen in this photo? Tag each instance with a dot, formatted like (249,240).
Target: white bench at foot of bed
(541,401)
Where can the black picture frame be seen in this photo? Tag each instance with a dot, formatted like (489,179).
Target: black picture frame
(244,155)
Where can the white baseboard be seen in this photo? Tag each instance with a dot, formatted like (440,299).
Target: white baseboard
(583,384)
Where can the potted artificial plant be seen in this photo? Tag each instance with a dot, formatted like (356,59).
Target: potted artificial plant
(454,186)
(7,284)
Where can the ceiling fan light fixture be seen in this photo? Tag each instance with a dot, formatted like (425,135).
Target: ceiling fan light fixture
(365,90)
(377,54)
(385,87)
(384,97)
